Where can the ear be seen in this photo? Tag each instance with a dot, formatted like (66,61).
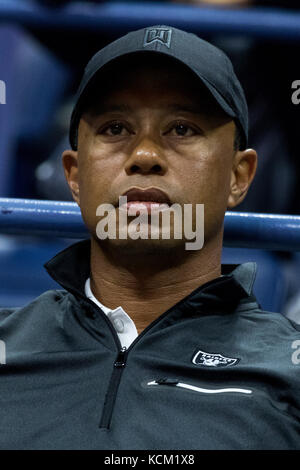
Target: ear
(70,165)
(242,174)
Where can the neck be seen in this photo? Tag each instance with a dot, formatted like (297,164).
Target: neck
(146,286)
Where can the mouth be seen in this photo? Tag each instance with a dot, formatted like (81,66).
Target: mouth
(145,199)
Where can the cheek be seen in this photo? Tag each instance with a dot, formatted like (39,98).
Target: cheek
(95,179)
(205,177)
(97,166)
(97,171)
(206,180)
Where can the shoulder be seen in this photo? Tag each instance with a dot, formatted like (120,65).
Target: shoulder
(278,321)
(270,322)
(49,297)
(38,317)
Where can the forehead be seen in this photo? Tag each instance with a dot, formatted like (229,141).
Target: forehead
(149,75)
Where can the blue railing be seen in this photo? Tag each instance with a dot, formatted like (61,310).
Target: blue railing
(63,219)
(114,17)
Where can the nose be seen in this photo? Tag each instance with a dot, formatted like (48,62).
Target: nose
(146,158)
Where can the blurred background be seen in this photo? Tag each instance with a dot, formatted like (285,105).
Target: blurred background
(44,47)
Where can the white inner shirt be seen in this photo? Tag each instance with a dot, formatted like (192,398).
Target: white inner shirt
(121,321)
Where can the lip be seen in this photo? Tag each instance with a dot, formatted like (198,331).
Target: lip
(151,195)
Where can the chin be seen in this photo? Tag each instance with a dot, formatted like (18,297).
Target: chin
(144,247)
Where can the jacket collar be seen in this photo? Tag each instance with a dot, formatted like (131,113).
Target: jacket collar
(71,267)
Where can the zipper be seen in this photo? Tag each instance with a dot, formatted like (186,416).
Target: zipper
(112,390)
(118,367)
(175,383)
(119,364)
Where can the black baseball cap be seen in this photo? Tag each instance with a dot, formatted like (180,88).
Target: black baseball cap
(209,63)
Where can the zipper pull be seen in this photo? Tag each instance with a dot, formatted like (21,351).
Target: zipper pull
(120,361)
(167,381)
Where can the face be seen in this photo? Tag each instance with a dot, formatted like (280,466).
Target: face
(155,128)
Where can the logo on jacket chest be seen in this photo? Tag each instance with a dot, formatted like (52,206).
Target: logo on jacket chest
(206,359)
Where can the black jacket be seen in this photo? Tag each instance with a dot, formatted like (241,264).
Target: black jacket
(213,372)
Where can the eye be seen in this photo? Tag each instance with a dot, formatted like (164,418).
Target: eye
(180,129)
(114,129)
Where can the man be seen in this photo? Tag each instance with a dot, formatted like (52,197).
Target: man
(152,345)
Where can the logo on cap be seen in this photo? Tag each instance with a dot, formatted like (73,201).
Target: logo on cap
(202,358)
(162,35)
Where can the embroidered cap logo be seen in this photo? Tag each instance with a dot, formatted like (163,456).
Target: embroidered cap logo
(162,35)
